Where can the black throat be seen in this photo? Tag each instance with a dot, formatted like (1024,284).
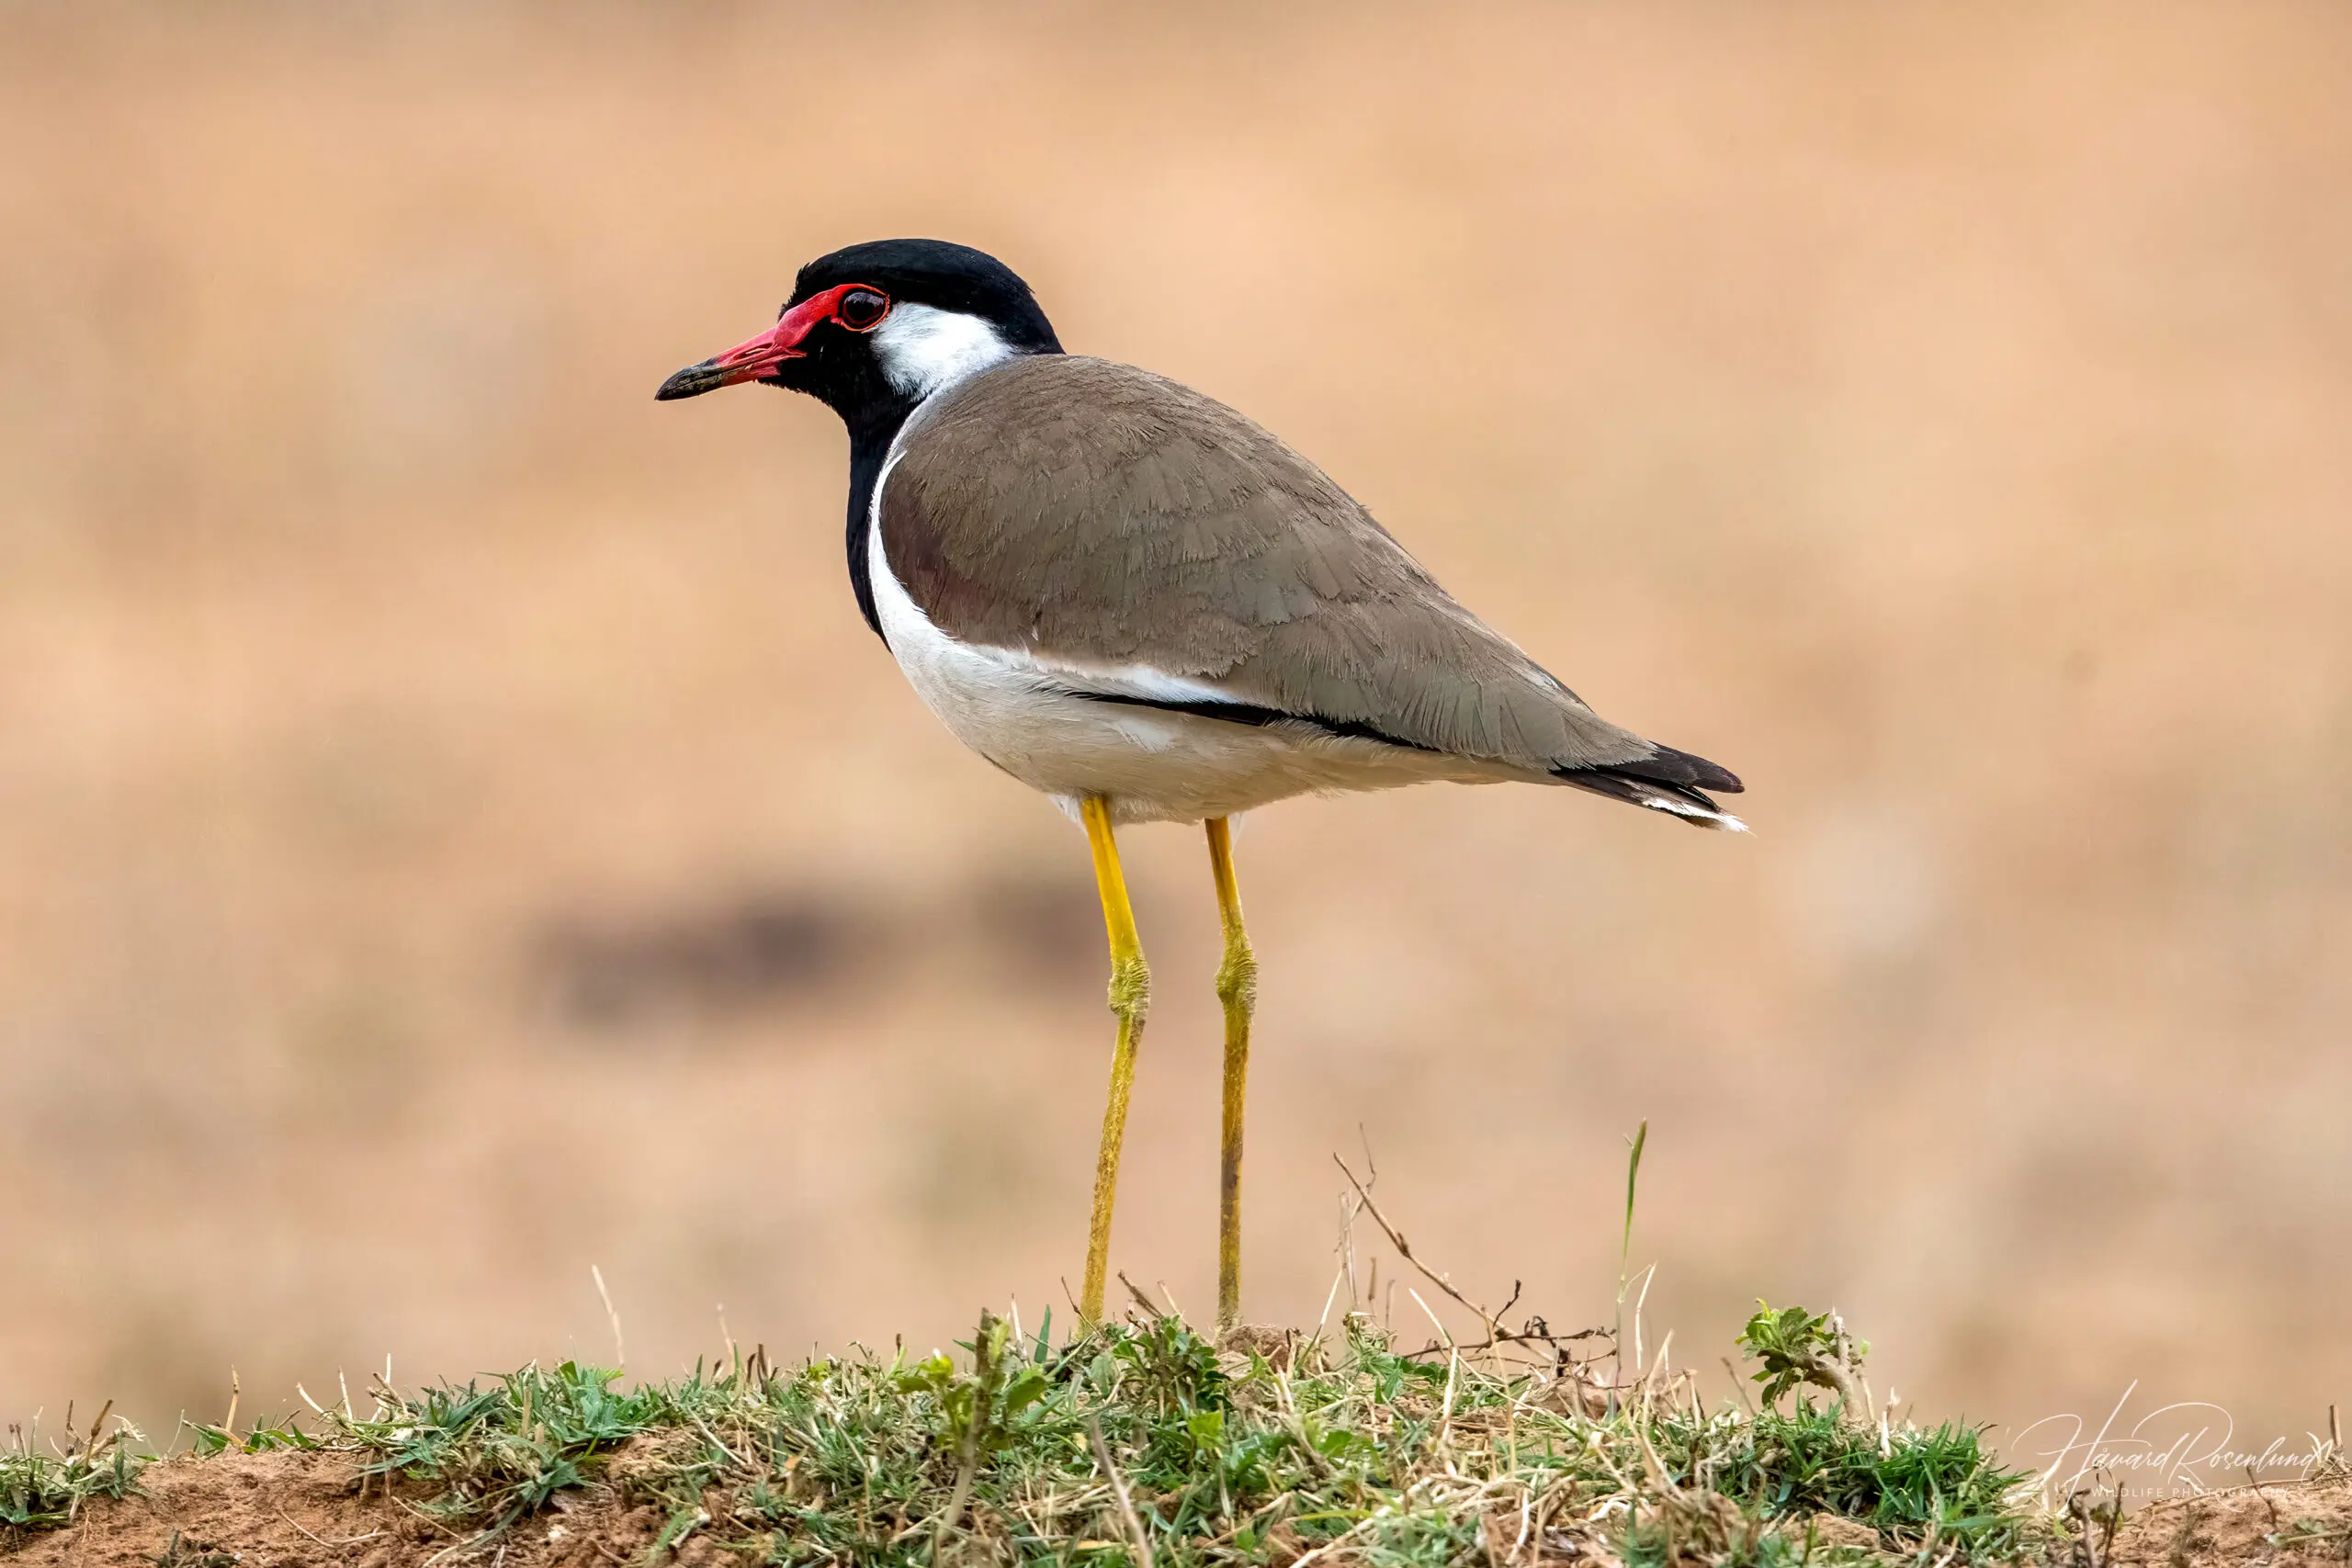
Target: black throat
(842,373)
(869,448)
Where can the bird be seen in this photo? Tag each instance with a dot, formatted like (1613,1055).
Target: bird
(1143,605)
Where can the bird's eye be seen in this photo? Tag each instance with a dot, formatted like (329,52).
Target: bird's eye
(862,310)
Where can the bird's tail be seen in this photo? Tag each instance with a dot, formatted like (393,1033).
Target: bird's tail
(1670,781)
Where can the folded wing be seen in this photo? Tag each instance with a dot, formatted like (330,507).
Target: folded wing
(1028,508)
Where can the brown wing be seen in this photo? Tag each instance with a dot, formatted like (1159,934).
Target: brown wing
(1095,515)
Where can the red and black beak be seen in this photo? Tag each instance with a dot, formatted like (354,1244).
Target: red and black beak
(759,357)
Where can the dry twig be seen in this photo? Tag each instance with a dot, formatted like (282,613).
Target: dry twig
(1119,1490)
(1404,1250)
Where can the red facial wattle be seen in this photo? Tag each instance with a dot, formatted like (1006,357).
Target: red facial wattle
(758,357)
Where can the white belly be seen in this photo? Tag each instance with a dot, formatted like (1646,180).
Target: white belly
(1153,766)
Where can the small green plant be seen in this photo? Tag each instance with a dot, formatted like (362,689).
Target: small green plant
(499,1453)
(1625,1249)
(39,1490)
(977,1409)
(1795,1347)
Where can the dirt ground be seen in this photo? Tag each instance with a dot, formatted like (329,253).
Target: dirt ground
(290,1509)
(2287,1525)
(2282,1524)
(293,1510)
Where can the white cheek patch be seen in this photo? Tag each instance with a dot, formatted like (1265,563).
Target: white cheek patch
(922,348)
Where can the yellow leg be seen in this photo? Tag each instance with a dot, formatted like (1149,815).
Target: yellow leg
(1130,1000)
(1236,988)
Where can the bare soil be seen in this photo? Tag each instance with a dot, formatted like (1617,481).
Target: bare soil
(2302,1523)
(289,1509)
(292,1510)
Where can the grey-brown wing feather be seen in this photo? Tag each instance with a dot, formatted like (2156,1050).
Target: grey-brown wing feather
(1029,509)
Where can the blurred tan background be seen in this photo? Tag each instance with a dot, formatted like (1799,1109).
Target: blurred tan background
(455,830)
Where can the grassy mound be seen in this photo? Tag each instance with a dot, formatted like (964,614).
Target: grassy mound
(1141,1441)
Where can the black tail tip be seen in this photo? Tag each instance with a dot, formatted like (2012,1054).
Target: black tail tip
(1668,765)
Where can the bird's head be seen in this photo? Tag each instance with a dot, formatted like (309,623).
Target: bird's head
(876,328)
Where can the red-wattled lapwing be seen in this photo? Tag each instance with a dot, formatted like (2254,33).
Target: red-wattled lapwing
(1130,597)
